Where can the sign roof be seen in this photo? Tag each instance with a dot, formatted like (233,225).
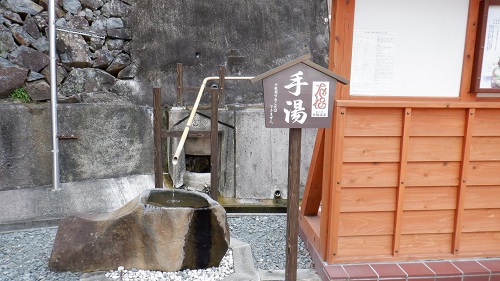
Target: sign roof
(305,60)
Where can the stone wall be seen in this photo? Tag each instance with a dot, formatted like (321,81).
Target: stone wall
(124,48)
(129,46)
(88,63)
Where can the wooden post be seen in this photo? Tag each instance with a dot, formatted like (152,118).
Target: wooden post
(158,161)
(292,228)
(214,144)
(180,84)
(222,78)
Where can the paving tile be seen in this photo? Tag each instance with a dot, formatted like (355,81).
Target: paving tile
(492,265)
(495,277)
(416,269)
(336,272)
(476,278)
(421,279)
(444,268)
(360,271)
(471,267)
(447,278)
(388,270)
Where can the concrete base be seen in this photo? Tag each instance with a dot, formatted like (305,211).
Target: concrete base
(253,158)
(31,207)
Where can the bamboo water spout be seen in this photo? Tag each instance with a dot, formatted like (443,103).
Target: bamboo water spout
(175,159)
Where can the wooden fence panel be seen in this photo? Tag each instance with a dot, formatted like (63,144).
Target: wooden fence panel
(370,174)
(437,122)
(480,243)
(373,122)
(433,174)
(435,149)
(485,149)
(430,198)
(481,220)
(482,197)
(372,149)
(366,199)
(483,173)
(486,122)
(363,246)
(366,223)
(439,221)
(425,244)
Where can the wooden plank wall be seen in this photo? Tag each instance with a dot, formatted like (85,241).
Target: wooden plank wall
(418,183)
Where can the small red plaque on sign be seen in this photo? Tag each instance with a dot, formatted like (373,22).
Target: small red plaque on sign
(299,95)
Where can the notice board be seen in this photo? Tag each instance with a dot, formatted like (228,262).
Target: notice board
(408,47)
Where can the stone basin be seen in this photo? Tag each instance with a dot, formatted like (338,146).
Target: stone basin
(161,229)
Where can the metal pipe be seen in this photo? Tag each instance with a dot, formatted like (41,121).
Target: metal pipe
(193,113)
(53,95)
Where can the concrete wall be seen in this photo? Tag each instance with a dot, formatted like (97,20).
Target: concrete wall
(113,141)
(254,159)
(248,37)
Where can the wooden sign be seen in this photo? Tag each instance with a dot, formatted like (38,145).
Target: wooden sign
(299,94)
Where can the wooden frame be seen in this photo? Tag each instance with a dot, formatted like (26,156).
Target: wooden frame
(478,85)
(404,178)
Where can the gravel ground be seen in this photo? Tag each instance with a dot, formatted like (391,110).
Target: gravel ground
(24,254)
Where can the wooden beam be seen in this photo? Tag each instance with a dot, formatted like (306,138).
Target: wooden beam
(341,37)
(416,104)
(333,214)
(222,79)
(157,116)
(405,140)
(178,134)
(457,235)
(214,144)
(326,183)
(180,84)
(469,50)
(292,229)
(312,193)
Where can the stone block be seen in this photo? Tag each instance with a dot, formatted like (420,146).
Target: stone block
(167,230)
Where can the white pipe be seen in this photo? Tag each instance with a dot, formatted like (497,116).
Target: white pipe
(53,95)
(193,113)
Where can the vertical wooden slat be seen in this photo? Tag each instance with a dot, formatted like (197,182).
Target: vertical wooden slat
(463,180)
(158,161)
(341,33)
(214,144)
(222,76)
(470,45)
(341,37)
(327,185)
(405,140)
(292,229)
(180,84)
(312,193)
(335,195)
